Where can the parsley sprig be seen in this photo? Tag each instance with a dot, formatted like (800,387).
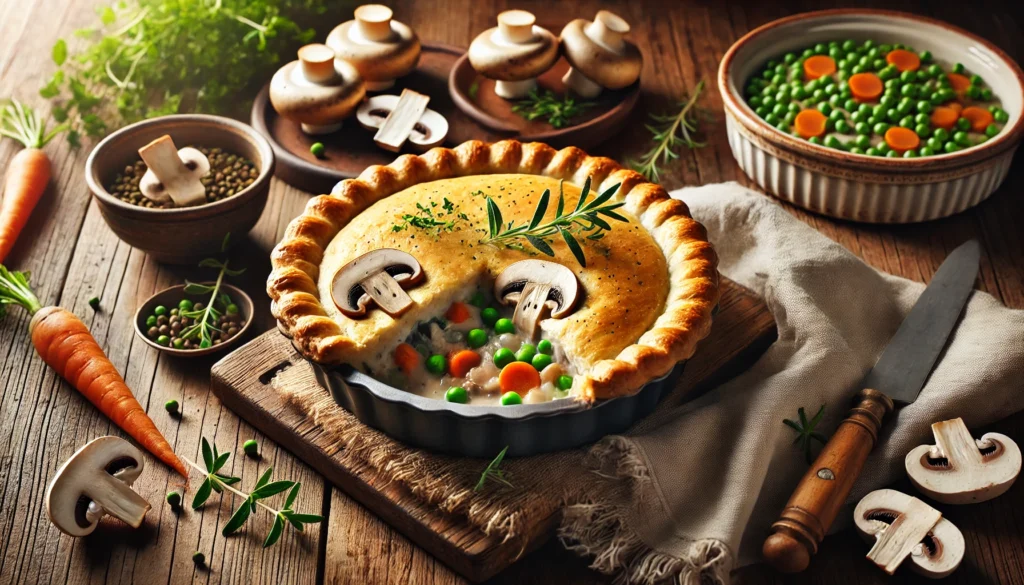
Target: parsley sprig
(805,431)
(669,133)
(493,472)
(582,223)
(264,489)
(207,317)
(556,110)
(428,218)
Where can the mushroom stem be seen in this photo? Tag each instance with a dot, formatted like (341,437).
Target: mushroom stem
(608,29)
(317,62)
(373,21)
(516,26)
(581,84)
(512,90)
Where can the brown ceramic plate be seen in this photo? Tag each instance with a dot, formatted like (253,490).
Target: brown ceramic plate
(171,296)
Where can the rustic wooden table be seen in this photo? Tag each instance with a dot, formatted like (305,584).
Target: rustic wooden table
(73,256)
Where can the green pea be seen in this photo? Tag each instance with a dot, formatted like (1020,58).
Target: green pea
(762,111)
(185,305)
(231,309)
(934,71)
(950,147)
(986,94)
(958,68)
(925,56)
(817,95)
(772,119)
(924,106)
(833,142)
(458,395)
(171,406)
(797,74)
(859,116)
(793,108)
(504,325)
(935,143)
(942,134)
(926,151)
(843,127)
(862,141)
(981,139)
(882,148)
(909,90)
(251,448)
(814,140)
(526,353)
(160,311)
(863,128)
(878,64)
(178,343)
(825,108)
(961,138)
(922,118)
(789,119)
(476,338)
(907,122)
(1001,116)
(820,49)
(892,154)
(541,361)
(830,124)
(856,150)
(908,77)
(858,68)
(477,299)
(174,500)
(880,128)
(800,93)
(317,149)
(973,92)
(848,45)
(893,83)
(564,382)
(163,340)
(835,100)
(923,130)
(991,130)
(151,321)
(437,364)
(778,79)
(963,124)
(504,357)
(489,316)
(807,53)
(835,52)
(871,152)
(910,154)
(905,107)
(544,346)
(771,64)
(510,399)
(782,125)
(789,58)
(887,73)
(780,68)
(752,93)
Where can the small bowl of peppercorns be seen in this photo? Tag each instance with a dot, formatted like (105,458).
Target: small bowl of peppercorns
(172,320)
(241,163)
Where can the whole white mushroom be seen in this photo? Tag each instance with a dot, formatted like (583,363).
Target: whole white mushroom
(599,55)
(380,48)
(514,53)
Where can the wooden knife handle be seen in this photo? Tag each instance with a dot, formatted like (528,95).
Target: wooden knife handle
(826,485)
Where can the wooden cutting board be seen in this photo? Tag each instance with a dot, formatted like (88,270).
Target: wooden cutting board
(742,329)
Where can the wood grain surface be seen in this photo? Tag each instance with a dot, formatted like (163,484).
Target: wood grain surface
(73,256)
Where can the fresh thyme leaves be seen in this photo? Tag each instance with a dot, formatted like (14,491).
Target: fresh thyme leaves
(556,110)
(669,133)
(147,58)
(493,472)
(264,488)
(806,433)
(584,222)
(207,317)
(431,219)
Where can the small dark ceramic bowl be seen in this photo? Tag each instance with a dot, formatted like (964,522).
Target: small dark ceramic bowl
(180,236)
(170,298)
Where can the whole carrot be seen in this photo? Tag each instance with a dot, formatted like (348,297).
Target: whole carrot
(28,173)
(66,345)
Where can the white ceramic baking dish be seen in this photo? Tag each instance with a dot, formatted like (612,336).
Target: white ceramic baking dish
(859,187)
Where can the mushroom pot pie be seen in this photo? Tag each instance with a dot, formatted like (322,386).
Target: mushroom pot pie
(420,274)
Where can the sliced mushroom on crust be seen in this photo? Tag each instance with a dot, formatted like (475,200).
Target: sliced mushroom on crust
(539,289)
(380,277)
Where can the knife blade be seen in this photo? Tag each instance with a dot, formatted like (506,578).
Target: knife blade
(899,375)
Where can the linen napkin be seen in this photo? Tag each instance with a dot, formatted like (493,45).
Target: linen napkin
(692,495)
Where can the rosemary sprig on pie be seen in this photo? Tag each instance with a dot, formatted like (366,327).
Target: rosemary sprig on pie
(557,110)
(670,132)
(582,223)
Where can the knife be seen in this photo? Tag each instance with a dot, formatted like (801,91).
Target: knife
(897,378)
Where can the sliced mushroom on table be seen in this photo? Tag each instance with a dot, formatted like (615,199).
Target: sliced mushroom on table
(173,175)
(379,277)
(958,469)
(97,480)
(538,289)
(401,119)
(599,56)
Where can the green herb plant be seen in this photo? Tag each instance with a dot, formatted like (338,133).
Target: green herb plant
(206,318)
(430,219)
(584,222)
(264,489)
(670,132)
(805,431)
(493,472)
(22,123)
(556,110)
(149,58)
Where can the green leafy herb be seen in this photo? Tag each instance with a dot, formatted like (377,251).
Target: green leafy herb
(206,318)
(556,110)
(670,132)
(148,58)
(805,431)
(582,223)
(262,490)
(493,472)
(432,219)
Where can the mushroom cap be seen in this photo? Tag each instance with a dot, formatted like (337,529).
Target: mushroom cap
(348,293)
(565,288)
(376,60)
(496,57)
(608,66)
(298,98)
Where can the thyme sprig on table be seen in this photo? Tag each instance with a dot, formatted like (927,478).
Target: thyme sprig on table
(206,318)
(582,223)
(493,472)
(556,110)
(805,431)
(669,133)
(264,488)
(429,219)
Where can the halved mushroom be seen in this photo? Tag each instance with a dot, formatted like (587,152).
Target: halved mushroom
(961,470)
(401,119)
(381,277)
(173,175)
(537,288)
(903,526)
(97,480)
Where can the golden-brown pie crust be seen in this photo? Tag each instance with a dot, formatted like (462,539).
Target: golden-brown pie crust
(673,336)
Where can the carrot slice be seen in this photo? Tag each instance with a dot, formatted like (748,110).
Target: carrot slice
(819,66)
(518,377)
(960,83)
(903,60)
(406,357)
(462,362)
(865,86)
(944,117)
(457,313)
(810,123)
(955,106)
(902,139)
(980,118)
